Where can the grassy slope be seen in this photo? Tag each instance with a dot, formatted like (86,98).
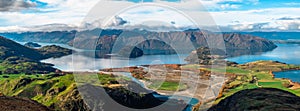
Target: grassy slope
(168,86)
(264,79)
(46,89)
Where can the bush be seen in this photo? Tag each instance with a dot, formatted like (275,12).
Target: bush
(5,76)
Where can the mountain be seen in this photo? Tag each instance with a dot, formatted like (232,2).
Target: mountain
(112,40)
(61,93)
(16,58)
(19,104)
(54,51)
(10,48)
(51,37)
(32,45)
(261,99)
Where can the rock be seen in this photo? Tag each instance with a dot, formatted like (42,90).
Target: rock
(206,56)
(32,45)
(261,99)
(19,104)
(120,99)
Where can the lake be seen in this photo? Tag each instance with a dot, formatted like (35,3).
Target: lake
(287,53)
(293,75)
(78,62)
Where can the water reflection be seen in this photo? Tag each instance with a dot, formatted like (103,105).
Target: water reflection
(84,63)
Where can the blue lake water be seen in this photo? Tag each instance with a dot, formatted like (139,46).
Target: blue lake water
(293,75)
(77,62)
(287,53)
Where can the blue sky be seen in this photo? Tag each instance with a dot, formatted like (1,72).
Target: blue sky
(230,15)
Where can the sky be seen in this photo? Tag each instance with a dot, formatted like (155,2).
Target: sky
(228,15)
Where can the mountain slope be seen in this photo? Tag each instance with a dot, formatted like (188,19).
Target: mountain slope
(19,104)
(9,48)
(61,92)
(262,99)
(16,58)
(236,44)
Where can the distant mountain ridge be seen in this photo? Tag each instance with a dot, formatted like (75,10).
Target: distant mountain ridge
(276,35)
(236,43)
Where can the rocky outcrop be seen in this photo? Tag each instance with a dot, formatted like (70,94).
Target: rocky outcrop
(121,99)
(19,104)
(262,99)
(205,55)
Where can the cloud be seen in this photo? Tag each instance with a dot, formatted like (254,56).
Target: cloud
(248,27)
(228,14)
(289,25)
(288,18)
(15,5)
(229,6)
(55,12)
(117,21)
(39,28)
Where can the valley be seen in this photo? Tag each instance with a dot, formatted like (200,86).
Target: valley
(189,86)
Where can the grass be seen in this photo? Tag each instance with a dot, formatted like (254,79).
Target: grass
(47,89)
(263,78)
(230,69)
(14,76)
(253,75)
(168,86)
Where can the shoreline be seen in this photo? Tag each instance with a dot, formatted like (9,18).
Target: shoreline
(295,85)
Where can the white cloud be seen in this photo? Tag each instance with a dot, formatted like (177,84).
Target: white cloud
(73,13)
(39,28)
(58,11)
(250,18)
(229,6)
(15,5)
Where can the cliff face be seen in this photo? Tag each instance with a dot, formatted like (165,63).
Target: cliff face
(261,99)
(150,42)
